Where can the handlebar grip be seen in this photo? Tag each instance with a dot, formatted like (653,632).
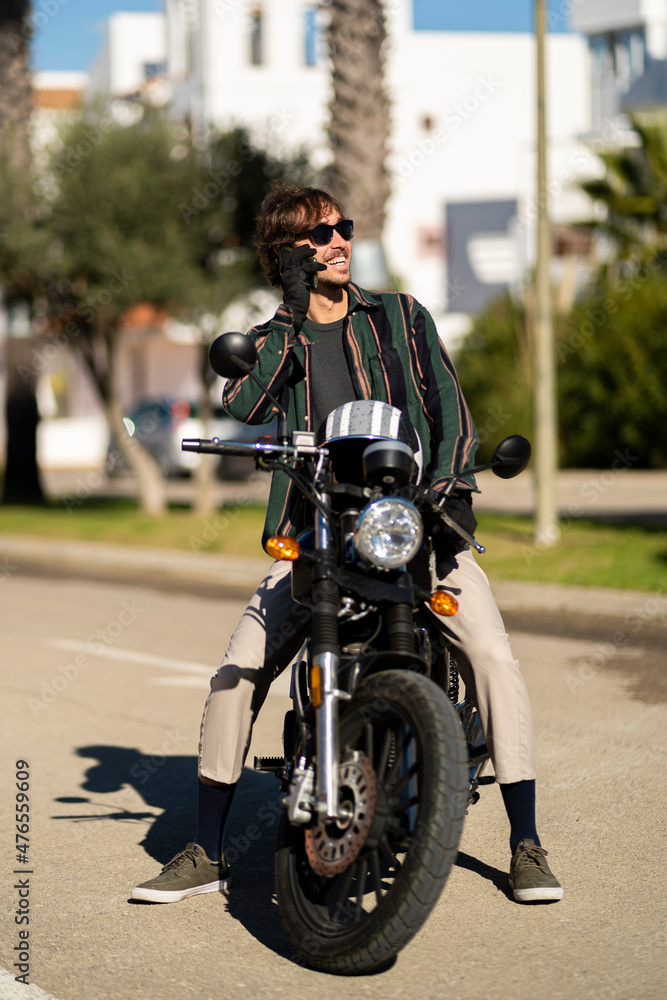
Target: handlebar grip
(207,447)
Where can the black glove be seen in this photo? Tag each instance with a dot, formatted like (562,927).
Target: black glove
(459,507)
(296,270)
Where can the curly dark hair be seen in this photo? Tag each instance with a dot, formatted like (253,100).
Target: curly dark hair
(286,209)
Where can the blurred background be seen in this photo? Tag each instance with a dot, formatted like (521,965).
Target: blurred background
(138,143)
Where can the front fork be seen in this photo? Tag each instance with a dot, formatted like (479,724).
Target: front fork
(325,663)
(324,671)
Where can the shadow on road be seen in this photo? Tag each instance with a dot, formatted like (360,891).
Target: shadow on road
(164,783)
(169,784)
(494,875)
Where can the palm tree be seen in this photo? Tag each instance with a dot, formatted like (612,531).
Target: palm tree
(21,482)
(359,123)
(633,192)
(15,85)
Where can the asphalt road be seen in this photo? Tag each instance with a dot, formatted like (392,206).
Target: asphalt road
(102,689)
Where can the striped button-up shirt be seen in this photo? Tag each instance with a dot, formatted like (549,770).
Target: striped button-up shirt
(395,355)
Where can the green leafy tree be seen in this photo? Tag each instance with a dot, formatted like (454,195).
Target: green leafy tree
(234,177)
(119,240)
(611,346)
(495,370)
(612,369)
(633,191)
(612,374)
(141,214)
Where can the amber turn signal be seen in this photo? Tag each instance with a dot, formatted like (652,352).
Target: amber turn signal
(282,547)
(316,685)
(443,603)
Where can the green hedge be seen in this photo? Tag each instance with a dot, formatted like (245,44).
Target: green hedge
(612,373)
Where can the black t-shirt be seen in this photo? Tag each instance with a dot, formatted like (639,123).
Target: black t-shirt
(330,380)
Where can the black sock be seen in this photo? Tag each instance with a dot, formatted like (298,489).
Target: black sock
(519,799)
(213,808)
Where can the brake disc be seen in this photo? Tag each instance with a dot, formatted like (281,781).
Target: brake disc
(331,847)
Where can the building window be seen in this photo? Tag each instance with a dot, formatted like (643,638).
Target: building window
(256,36)
(602,55)
(431,241)
(618,60)
(154,69)
(619,54)
(636,44)
(311,38)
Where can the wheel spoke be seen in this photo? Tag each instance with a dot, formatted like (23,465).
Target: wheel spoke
(369,741)
(396,829)
(383,758)
(343,902)
(361,890)
(374,863)
(388,854)
(346,882)
(401,750)
(409,774)
(404,804)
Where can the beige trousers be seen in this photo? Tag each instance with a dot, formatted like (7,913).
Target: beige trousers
(271,632)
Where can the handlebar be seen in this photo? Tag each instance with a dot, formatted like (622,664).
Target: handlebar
(260,449)
(215,447)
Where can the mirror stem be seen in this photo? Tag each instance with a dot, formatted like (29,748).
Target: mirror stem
(283,429)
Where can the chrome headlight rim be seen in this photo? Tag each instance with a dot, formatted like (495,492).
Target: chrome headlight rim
(378,515)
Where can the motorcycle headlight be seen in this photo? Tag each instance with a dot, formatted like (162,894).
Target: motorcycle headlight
(389,532)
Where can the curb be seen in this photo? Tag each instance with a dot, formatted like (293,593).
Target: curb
(238,578)
(92,559)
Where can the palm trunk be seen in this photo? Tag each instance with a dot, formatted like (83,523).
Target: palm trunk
(359,113)
(15,81)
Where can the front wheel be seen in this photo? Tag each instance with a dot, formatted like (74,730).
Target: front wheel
(352,895)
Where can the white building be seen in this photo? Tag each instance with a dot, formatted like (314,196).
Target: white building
(132,54)
(460,217)
(628,45)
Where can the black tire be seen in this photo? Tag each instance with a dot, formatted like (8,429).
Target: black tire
(407,728)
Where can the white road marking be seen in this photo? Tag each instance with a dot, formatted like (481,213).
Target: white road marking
(186,681)
(131,656)
(11,990)
(193,674)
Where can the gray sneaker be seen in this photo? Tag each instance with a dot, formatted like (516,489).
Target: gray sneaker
(531,879)
(189,873)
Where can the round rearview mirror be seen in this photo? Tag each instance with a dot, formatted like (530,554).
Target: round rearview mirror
(511,456)
(232,355)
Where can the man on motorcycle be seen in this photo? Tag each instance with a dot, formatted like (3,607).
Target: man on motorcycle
(328,343)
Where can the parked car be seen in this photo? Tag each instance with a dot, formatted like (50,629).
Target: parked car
(160,425)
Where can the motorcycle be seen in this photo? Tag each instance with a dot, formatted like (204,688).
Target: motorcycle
(381,759)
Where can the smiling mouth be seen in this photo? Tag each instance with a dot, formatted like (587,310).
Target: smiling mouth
(340,261)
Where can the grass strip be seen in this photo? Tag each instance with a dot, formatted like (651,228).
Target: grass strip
(588,553)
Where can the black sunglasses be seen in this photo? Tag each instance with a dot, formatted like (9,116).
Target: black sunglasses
(323,234)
